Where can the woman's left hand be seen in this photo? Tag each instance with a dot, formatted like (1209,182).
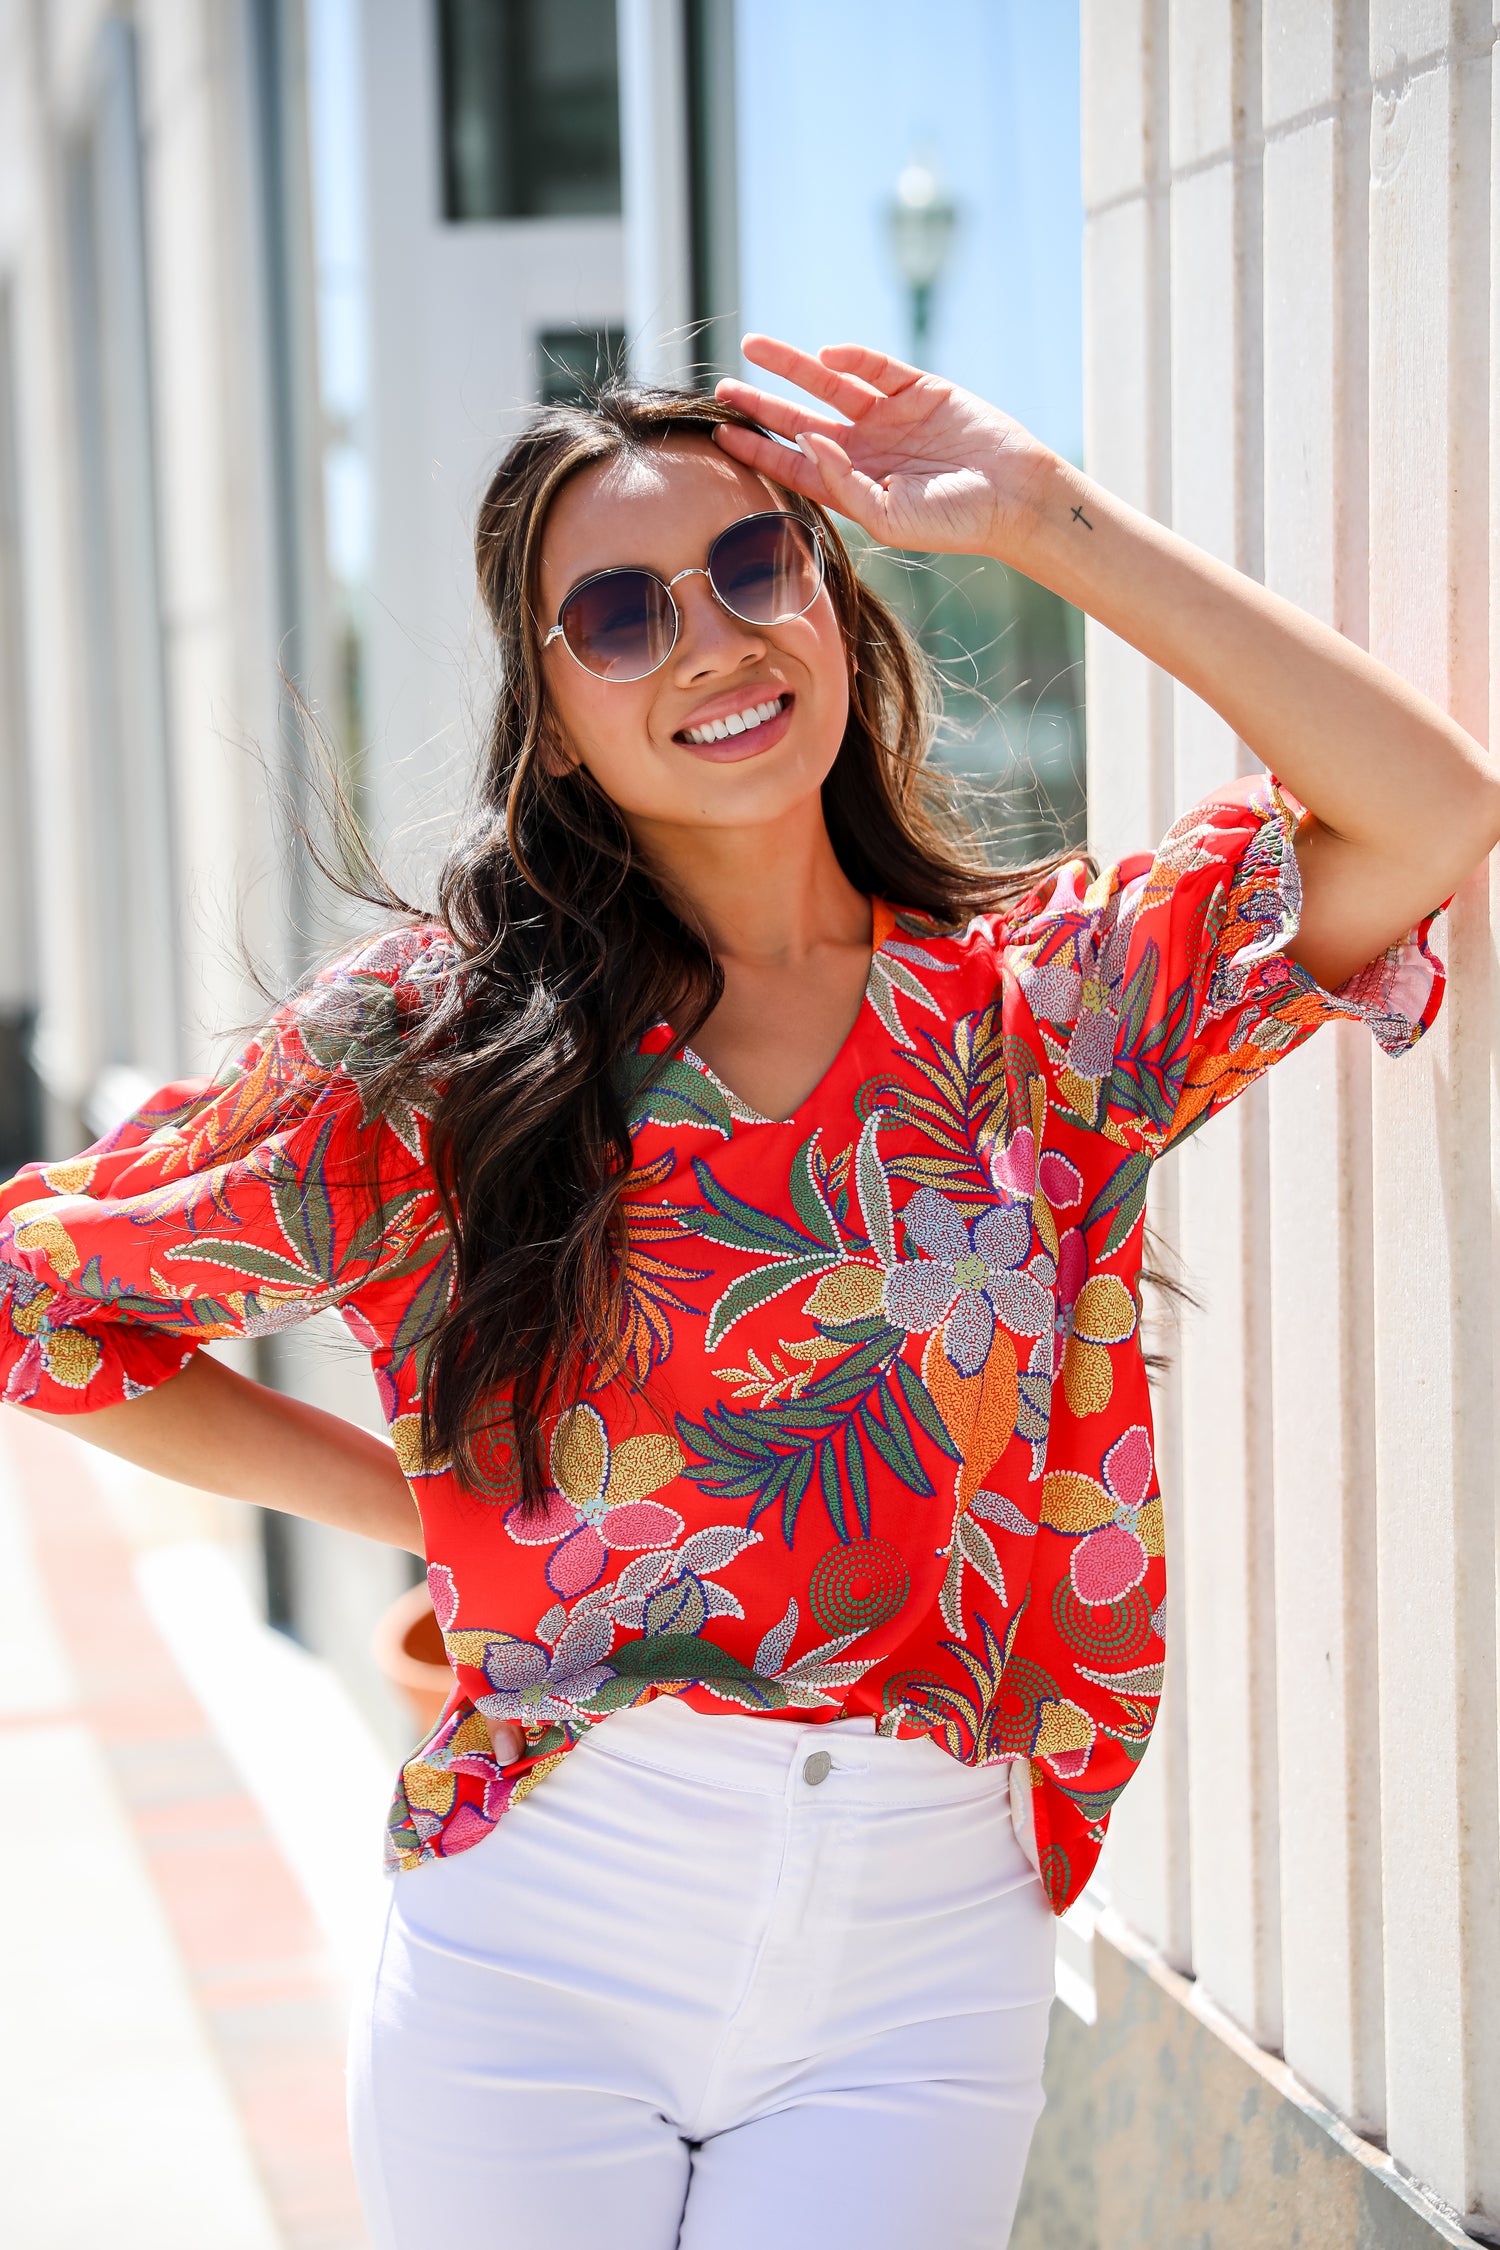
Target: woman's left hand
(919,462)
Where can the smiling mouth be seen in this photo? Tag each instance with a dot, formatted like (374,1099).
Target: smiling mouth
(744,728)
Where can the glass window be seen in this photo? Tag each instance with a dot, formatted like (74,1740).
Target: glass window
(1009,654)
(531,108)
(573,361)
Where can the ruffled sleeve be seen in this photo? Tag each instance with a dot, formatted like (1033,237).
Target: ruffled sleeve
(230,1208)
(1162,986)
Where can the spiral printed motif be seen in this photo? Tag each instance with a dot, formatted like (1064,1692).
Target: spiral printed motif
(918,1694)
(859,1586)
(1114,1632)
(885,1092)
(1014,1713)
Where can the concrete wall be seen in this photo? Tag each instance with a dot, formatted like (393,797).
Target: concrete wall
(1289,335)
(1168,2129)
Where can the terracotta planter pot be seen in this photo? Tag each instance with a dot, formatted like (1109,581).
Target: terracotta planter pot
(408,1647)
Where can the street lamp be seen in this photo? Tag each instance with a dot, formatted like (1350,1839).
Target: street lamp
(922,218)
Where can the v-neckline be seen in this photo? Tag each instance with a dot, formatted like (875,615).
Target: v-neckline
(882,924)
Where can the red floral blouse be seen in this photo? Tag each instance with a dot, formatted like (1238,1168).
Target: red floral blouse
(881,1443)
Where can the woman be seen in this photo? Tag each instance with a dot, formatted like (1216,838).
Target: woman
(739,1190)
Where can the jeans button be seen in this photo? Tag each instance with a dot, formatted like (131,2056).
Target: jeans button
(817,1768)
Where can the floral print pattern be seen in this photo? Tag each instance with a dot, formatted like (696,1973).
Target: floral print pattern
(598,1502)
(970,1277)
(874,1437)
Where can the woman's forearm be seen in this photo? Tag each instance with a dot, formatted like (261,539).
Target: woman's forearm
(1404,800)
(212,1428)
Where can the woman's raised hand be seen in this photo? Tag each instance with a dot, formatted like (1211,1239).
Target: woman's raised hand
(917,463)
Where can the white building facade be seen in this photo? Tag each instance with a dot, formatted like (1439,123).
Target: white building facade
(1290,343)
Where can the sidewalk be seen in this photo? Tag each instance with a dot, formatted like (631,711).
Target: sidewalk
(174,1951)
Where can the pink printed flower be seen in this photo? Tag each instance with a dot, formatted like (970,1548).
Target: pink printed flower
(1016,1173)
(1109,1562)
(598,1500)
(444,1593)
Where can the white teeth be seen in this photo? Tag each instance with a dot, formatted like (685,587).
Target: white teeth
(718,730)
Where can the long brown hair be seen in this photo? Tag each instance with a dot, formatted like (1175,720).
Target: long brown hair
(567,952)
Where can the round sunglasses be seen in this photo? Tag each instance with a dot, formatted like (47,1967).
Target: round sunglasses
(623,624)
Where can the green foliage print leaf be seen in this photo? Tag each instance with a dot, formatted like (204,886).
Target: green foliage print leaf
(667,1090)
(389,1217)
(790,1254)
(676,1656)
(874,1193)
(415,1260)
(235,1255)
(757,1288)
(888,977)
(892,1440)
(739,1225)
(833,1498)
(855,1470)
(419,1322)
(174,1317)
(1135,999)
(771,1453)
(978,1550)
(799,1477)
(304,1208)
(923,1410)
(1149,1070)
(808,1200)
(1094,1803)
(1124,1195)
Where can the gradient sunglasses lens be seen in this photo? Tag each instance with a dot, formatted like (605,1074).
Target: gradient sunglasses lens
(766,568)
(620,625)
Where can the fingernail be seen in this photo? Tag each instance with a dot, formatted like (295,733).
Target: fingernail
(806,444)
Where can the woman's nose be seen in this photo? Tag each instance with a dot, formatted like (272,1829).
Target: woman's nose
(712,639)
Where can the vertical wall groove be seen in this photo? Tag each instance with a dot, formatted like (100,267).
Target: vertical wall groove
(1320,260)
(1128,397)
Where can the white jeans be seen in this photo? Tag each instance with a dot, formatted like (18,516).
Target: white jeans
(719,1982)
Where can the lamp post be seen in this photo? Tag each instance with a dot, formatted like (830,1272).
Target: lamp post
(922,218)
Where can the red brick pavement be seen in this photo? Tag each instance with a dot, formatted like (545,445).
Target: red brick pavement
(254,1955)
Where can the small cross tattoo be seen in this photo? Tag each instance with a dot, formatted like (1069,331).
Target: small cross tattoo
(1080,517)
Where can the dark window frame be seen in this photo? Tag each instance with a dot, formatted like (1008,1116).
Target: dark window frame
(562,379)
(521,170)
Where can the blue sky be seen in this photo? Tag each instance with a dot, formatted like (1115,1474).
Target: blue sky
(834,97)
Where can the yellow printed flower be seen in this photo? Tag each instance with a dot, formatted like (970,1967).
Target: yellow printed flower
(50,1236)
(599,1499)
(71,1357)
(406,1436)
(850,1292)
(29,1316)
(1113,1522)
(72,1177)
(1065,1737)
